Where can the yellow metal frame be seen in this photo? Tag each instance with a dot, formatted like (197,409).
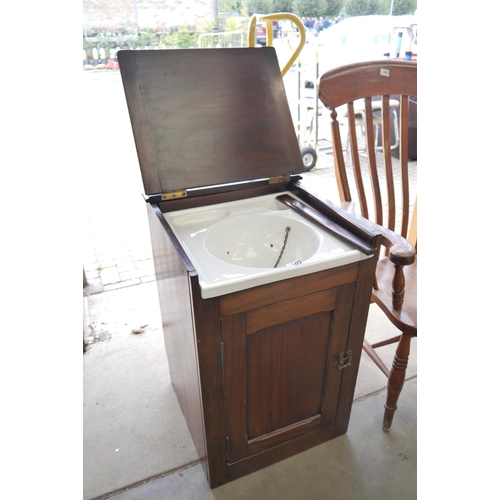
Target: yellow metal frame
(268,19)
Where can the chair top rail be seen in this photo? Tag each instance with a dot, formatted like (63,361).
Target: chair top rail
(356,81)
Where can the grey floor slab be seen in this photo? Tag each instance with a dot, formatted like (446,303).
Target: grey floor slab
(366,463)
(134,429)
(133,425)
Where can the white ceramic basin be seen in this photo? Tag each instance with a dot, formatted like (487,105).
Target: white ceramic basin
(236,245)
(257,241)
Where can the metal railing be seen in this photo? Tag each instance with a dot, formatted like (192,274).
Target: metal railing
(224,39)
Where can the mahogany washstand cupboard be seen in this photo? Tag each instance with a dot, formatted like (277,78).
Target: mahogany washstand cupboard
(264,336)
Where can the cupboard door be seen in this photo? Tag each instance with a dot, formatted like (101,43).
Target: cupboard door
(280,369)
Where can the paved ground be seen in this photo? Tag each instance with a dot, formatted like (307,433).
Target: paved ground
(117,251)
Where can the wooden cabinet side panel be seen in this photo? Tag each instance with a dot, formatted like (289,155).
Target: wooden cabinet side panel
(208,345)
(174,282)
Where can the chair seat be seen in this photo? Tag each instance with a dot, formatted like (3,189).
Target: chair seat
(406,319)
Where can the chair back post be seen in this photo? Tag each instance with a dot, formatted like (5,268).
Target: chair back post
(338,159)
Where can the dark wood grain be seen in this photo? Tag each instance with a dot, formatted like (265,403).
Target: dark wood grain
(254,298)
(327,224)
(206,316)
(255,371)
(276,388)
(204,117)
(173,281)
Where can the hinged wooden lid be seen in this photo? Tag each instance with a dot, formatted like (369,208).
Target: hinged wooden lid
(203,117)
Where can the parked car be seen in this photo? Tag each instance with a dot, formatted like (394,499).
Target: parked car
(357,39)
(261,32)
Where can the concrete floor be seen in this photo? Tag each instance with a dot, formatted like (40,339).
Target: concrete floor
(364,464)
(135,442)
(134,430)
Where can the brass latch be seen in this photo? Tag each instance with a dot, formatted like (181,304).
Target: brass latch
(344,360)
(173,195)
(277,179)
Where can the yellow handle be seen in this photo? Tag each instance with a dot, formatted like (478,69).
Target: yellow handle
(269,18)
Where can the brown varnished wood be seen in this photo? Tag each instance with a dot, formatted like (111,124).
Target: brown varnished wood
(340,173)
(173,281)
(267,316)
(332,398)
(280,354)
(396,276)
(372,163)
(324,222)
(234,329)
(353,141)
(396,379)
(206,316)
(405,318)
(368,75)
(285,363)
(338,88)
(256,372)
(154,208)
(284,435)
(403,159)
(140,123)
(389,175)
(360,227)
(398,288)
(355,158)
(287,289)
(203,117)
(359,315)
(280,452)
(305,321)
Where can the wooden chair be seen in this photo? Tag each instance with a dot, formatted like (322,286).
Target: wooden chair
(395,287)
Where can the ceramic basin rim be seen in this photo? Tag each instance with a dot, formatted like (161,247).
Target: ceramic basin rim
(217,277)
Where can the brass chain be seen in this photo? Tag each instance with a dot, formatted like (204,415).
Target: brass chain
(287,230)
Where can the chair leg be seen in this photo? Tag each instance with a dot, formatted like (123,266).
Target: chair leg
(396,379)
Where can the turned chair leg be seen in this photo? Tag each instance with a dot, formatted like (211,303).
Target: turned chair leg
(396,379)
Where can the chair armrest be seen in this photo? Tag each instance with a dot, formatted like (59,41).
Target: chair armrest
(401,251)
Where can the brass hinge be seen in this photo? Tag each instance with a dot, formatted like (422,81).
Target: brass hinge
(277,179)
(344,360)
(174,195)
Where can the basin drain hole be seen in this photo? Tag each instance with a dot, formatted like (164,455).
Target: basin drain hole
(287,230)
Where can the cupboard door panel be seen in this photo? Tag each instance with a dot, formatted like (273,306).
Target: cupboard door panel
(280,371)
(285,364)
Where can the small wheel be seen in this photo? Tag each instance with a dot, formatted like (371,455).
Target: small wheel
(309,158)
